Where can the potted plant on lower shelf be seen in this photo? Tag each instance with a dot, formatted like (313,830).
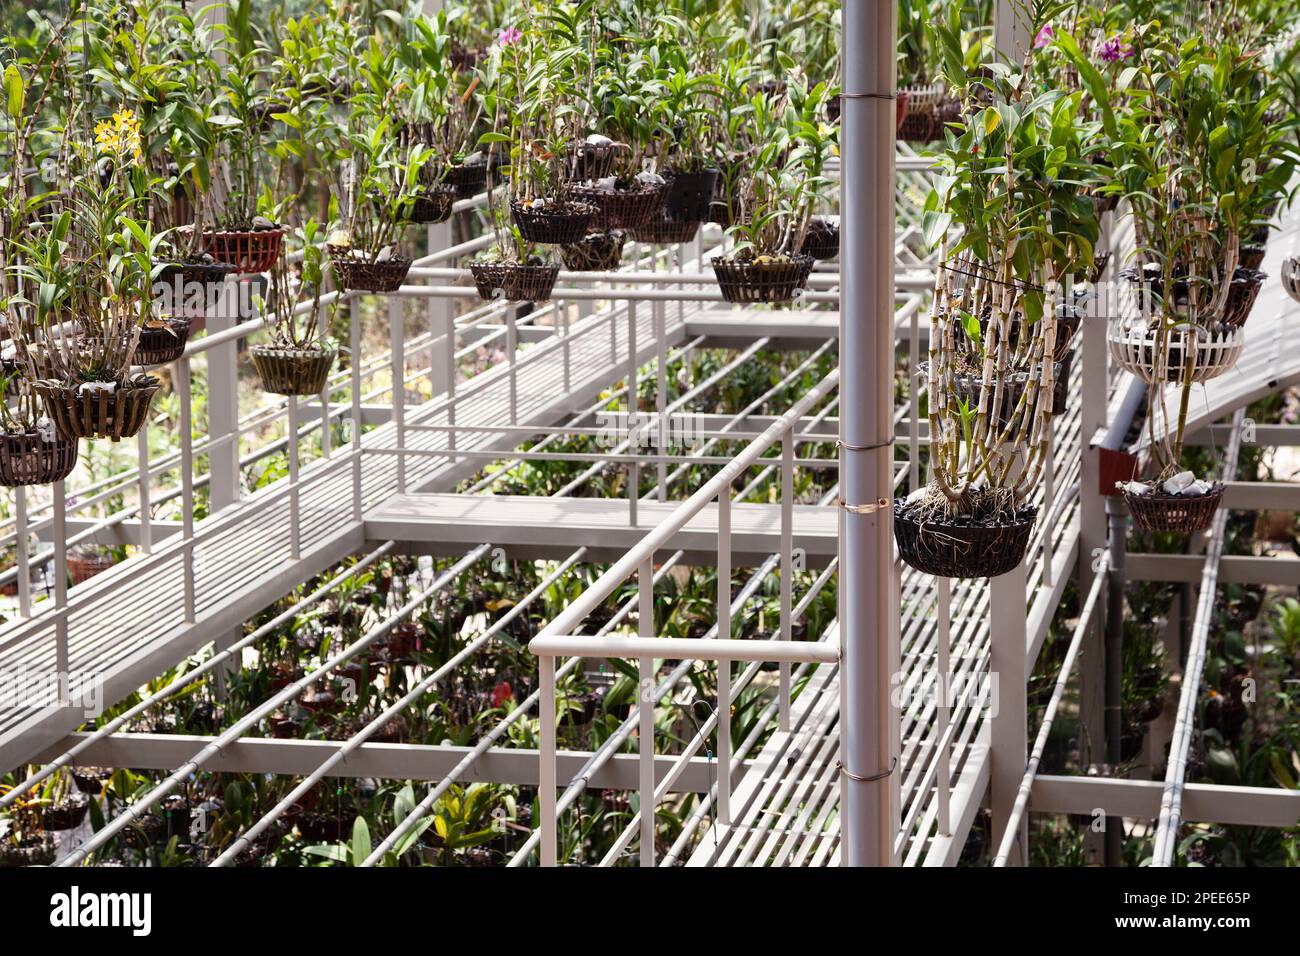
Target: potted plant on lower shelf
(298,358)
(1025,225)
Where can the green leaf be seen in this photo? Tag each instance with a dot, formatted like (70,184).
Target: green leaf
(15,92)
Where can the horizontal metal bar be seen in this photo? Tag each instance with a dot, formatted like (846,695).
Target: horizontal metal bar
(684,648)
(1202,802)
(1233,569)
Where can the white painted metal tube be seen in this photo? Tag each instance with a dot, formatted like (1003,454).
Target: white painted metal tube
(684,648)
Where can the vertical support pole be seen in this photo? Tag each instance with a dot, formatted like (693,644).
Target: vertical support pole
(1116,578)
(325,411)
(438,311)
(724,667)
(661,392)
(397,348)
(354,309)
(633,491)
(1007,697)
(913,402)
(59,512)
(142,457)
(451,384)
(563,321)
(1010,30)
(295,512)
(1049,502)
(943,712)
(870,624)
(223,403)
(633,398)
(21,545)
(787,568)
(646,715)
(548,823)
(512,348)
(187,482)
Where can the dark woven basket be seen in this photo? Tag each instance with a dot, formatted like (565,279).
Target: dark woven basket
(357,275)
(432,204)
(599,252)
(691,194)
(1251,257)
(31,851)
(207,274)
(92,414)
(927,126)
(292,371)
(249,251)
(822,240)
(166,343)
(1241,296)
(744,280)
(67,814)
(28,459)
(555,223)
(1157,511)
(962,551)
(468,181)
(583,161)
(622,208)
(514,281)
(665,232)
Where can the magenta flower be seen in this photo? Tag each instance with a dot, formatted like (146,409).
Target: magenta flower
(1115,49)
(1044,36)
(509,36)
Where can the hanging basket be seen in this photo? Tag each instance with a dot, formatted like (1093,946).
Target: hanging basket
(822,240)
(599,252)
(623,208)
(88,413)
(1291,277)
(952,550)
(922,124)
(286,371)
(691,194)
(250,251)
(1176,514)
(556,223)
(432,204)
(468,180)
(208,275)
(967,389)
(514,281)
(162,343)
(28,459)
(752,280)
(1242,293)
(924,99)
(1215,351)
(583,161)
(1251,257)
(902,103)
(361,275)
(664,232)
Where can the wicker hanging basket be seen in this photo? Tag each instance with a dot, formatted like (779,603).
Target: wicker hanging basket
(249,251)
(28,459)
(286,371)
(78,412)
(1214,351)
(1291,277)
(1251,257)
(583,161)
(207,275)
(514,281)
(622,208)
(162,343)
(960,550)
(599,252)
(361,275)
(1177,514)
(468,180)
(926,125)
(752,280)
(691,194)
(664,232)
(1242,292)
(433,203)
(557,222)
(924,99)
(822,240)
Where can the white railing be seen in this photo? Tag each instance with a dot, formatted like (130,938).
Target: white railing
(558,638)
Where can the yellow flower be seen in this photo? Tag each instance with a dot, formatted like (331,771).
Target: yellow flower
(120,136)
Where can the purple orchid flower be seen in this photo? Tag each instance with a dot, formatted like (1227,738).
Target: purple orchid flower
(1115,49)
(1044,36)
(509,36)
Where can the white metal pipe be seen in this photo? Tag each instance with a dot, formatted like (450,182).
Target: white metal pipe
(684,648)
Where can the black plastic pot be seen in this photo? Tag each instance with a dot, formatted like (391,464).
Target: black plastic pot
(691,194)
